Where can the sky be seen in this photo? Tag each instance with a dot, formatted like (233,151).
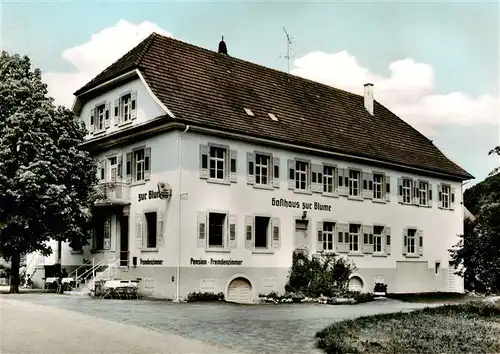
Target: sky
(434,64)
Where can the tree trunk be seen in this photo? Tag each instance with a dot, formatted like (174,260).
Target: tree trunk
(15,262)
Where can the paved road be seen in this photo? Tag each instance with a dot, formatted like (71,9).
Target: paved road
(28,328)
(286,328)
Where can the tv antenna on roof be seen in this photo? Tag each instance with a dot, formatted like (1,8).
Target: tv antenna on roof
(289,55)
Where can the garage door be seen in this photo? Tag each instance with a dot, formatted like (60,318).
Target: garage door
(411,277)
(355,284)
(239,291)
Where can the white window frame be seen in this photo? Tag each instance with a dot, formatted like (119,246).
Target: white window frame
(413,239)
(380,238)
(259,167)
(445,196)
(328,179)
(215,159)
(354,239)
(100,118)
(423,199)
(124,105)
(407,185)
(224,230)
(302,175)
(354,183)
(139,163)
(378,186)
(328,236)
(112,167)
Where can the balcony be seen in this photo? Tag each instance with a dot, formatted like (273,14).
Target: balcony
(113,194)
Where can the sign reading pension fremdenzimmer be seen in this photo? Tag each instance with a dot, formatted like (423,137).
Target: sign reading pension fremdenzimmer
(284,203)
(215,261)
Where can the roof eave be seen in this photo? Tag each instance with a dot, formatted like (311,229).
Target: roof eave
(81,96)
(164,123)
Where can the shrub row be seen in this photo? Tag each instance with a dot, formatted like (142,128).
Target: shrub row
(204,296)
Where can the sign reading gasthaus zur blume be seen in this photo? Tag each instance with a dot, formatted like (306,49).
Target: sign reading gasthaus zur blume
(284,203)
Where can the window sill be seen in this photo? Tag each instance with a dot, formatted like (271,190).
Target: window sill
(217,250)
(149,249)
(218,181)
(356,254)
(262,251)
(300,191)
(331,195)
(137,183)
(98,251)
(380,201)
(97,134)
(403,203)
(383,255)
(412,256)
(263,186)
(442,208)
(357,198)
(124,124)
(422,205)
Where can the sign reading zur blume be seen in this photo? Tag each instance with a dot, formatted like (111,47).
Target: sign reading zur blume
(152,194)
(281,202)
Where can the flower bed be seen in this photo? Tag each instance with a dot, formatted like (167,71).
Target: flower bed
(348,297)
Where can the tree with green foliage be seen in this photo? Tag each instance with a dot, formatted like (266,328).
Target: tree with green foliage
(46,179)
(327,274)
(477,254)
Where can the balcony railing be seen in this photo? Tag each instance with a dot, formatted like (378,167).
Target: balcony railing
(109,193)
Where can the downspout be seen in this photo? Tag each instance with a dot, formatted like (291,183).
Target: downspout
(179,175)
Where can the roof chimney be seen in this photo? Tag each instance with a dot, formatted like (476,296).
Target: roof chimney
(369,97)
(222,46)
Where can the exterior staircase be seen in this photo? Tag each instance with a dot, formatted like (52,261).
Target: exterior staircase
(92,276)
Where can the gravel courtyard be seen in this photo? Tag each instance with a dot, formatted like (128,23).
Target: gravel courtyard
(287,328)
(28,328)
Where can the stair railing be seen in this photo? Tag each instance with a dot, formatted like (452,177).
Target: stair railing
(95,277)
(75,272)
(112,263)
(92,269)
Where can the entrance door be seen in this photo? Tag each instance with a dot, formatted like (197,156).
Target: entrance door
(124,241)
(301,238)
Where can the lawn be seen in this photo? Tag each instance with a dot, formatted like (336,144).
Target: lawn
(437,297)
(473,327)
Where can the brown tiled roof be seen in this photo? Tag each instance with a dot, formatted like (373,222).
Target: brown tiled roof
(205,88)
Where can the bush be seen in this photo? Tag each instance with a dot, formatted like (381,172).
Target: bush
(326,275)
(4,271)
(380,288)
(359,296)
(199,296)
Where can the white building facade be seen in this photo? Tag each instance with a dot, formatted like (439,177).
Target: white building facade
(189,207)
